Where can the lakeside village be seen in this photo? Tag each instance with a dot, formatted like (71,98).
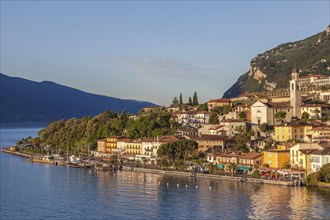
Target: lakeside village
(275,136)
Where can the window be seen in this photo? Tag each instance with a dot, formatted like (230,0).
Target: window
(315,159)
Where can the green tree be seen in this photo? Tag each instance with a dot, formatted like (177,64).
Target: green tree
(242,115)
(163,163)
(256,174)
(214,118)
(175,101)
(304,116)
(286,165)
(231,167)
(280,115)
(212,168)
(180,99)
(190,103)
(242,138)
(221,110)
(144,161)
(325,173)
(179,165)
(177,150)
(195,99)
(202,107)
(114,160)
(266,128)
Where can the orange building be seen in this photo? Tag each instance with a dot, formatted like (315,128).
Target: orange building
(218,103)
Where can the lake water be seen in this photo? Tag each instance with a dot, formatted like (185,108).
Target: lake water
(38,191)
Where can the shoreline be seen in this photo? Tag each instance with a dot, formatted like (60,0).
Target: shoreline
(211,176)
(167,172)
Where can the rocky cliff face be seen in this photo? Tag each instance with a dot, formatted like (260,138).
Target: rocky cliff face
(271,69)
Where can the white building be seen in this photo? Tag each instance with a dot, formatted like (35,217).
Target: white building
(193,118)
(122,145)
(150,146)
(316,111)
(264,112)
(314,80)
(319,158)
(232,126)
(325,96)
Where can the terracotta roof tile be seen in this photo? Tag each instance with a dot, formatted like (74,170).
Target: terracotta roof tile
(251,155)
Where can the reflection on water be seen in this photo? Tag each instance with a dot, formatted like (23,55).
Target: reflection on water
(37,191)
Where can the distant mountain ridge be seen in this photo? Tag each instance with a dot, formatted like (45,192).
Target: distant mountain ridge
(24,101)
(272,69)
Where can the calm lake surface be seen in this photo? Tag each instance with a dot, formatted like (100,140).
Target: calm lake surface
(38,191)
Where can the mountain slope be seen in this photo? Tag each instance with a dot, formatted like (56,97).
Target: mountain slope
(272,69)
(24,100)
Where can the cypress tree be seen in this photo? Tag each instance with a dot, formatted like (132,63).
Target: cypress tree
(180,99)
(190,102)
(195,99)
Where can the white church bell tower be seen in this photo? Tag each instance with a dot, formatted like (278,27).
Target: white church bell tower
(295,93)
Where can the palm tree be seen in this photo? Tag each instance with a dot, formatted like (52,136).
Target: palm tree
(231,167)
(211,167)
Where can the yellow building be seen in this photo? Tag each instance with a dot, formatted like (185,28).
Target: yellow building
(206,141)
(111,144)
(101,145)
(300,155)
(293,131)
(276,158)
(134,147)
(218,103)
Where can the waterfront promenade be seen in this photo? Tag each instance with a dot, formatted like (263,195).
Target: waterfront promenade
(37,158)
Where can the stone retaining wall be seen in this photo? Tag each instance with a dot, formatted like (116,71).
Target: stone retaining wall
(210,176)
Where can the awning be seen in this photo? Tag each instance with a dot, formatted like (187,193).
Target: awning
(220,166)
(244,168)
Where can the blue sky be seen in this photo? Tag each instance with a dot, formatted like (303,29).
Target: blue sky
(148,50)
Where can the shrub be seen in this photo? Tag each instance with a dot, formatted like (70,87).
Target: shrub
(256,174)
(325,173)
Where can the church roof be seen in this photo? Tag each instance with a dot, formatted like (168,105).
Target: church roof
(295,70)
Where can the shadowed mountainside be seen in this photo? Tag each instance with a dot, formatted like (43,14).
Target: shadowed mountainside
(24,101)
